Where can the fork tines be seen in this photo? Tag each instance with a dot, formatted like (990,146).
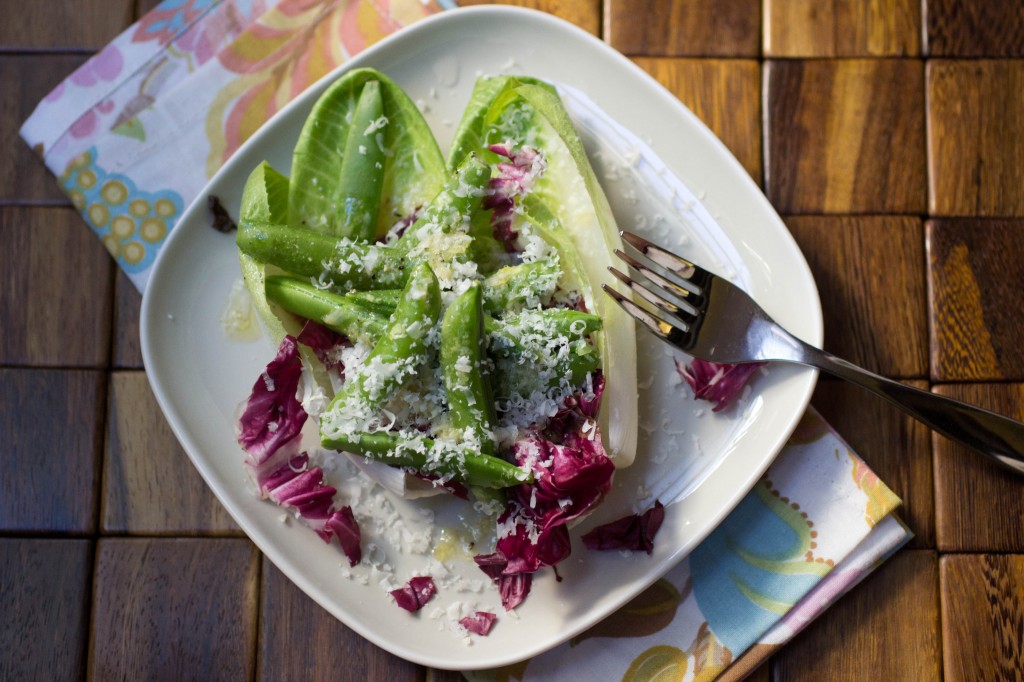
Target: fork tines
(677,265)
(681,300)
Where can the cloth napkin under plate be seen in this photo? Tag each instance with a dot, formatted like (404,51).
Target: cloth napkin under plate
(193,79)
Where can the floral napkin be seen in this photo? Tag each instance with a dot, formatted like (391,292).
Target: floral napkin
(134,134)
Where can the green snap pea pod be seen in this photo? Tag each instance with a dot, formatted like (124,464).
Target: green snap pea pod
(331,310)
(343,262)
(470,400)
(561,321)
(362,169)
(430,457)
(452,207)
(398,353)
(515,285)
(380,301)
(526,365)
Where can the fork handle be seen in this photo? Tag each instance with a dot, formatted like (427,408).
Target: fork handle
(986,432)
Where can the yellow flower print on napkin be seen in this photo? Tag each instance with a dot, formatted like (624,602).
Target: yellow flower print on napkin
(287,50)
(881,501)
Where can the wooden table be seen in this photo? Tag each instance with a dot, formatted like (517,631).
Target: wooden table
(888,133)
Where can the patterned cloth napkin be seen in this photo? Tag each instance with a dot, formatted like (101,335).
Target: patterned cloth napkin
(133,136)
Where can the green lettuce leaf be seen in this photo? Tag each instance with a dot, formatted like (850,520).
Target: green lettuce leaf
(413,167)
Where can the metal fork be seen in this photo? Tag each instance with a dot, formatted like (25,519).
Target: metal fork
(710,318)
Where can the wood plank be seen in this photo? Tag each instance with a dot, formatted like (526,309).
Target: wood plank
(982,616)
(975,276)
(64,24)
(27,80)
(842,28)
(175,609)
(149,484)
(56,296)
(974,28)
(979,507)
(845,136)
(44,596)
(127,347)
(895,446)
(299,640)
(886,628)
(584,13)
(725,94)
(974,111)
(692,28)
(870,275)
(51,434)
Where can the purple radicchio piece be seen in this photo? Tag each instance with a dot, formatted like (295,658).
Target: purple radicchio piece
(716,382)
(415,593)
(634,532)
(480,623)
(273,416)
(514,179)
(269,430)
(298,487)
(571,477)
(325,343)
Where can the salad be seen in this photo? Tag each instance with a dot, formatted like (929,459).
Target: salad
(439,323)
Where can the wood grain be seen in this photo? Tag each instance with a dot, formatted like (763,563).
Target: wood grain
(44,587)
(64,24)
(299,640)
(694,28)
(174,609)
(55,298)
(982,617)
(870,276)
(50,427)
(27,80)
(127,347)
(979,507)
(975,276)
(975,28)
(896,447)
(724,93)
(584,13)
(141,457)
(885,629)
(842,28)
(845,136)
(975,117)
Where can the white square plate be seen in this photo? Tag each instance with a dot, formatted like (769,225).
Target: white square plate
(698,463)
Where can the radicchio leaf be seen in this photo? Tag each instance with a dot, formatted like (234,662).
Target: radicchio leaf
(571,477)
(273,415)
(415,593)
(515,178)
(634,532)
(269,431)
(295,486)
(324,342)
(716,382)
(480,623)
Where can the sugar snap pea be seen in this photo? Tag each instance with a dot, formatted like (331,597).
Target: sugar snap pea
(515,285)
(397,354)
(462,352)
(431,457)
(347,264)
(331,310)
(453,206)
(362,169)
(558,321)
(380,301)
